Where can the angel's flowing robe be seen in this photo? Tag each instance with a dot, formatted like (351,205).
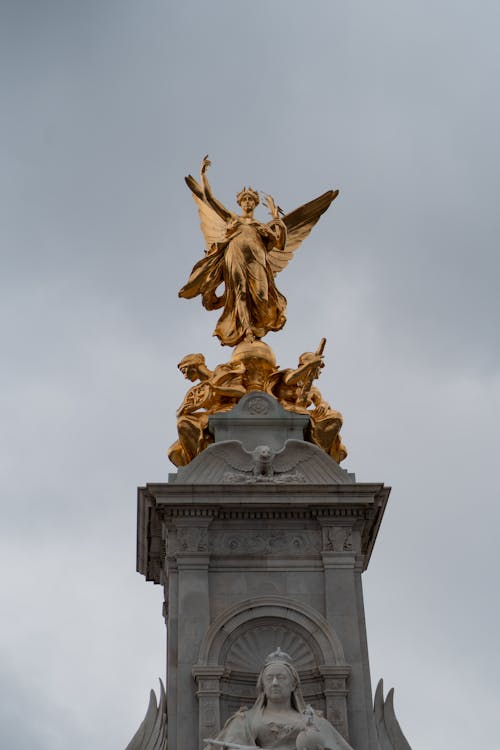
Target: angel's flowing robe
(252,303)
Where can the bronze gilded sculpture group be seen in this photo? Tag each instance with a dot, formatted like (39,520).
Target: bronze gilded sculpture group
(237,274)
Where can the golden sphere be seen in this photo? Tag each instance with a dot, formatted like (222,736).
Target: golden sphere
(254,350)
(259,360)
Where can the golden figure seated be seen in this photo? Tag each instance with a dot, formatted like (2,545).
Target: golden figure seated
(253,367)
(295,391)
(218,390)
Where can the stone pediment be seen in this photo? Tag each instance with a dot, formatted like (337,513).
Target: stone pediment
(229,462)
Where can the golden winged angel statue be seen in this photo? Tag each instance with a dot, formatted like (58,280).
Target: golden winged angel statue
(243,256)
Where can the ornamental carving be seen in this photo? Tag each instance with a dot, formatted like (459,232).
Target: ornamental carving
(257,405)
(259,543)
(337,539)
(192,539)
(245,653)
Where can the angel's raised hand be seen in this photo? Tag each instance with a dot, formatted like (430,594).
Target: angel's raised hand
(205,164)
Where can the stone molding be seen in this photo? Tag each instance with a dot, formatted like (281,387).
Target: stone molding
(338,560)
(278,607)
(193,561)
(183,493)
(348,515)
(249,513)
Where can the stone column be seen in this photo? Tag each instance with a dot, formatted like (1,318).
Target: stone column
(335,691)
(342,570)
(193,619)
(208,681)
(172,629)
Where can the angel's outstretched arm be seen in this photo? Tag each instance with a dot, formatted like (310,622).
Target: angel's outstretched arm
(209,197)
(214,217)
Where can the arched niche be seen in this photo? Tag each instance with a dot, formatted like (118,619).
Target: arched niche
(236,644)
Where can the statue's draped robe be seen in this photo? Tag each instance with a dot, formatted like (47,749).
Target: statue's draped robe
(248,727)
(250,299)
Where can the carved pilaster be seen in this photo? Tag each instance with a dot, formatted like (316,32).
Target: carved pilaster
(192,558)
(208,692)
(335,691)
(340,544)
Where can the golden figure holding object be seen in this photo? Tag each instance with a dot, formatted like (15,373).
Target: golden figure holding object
(244,256)
(253,367)
(218,390)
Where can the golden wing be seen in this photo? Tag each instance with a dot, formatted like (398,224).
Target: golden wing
(212,223)
(298,224)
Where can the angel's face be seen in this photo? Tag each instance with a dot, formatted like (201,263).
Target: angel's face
(247,204)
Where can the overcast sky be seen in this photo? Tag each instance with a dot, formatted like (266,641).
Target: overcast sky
(106,105)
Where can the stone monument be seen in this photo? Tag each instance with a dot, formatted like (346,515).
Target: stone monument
(260,538)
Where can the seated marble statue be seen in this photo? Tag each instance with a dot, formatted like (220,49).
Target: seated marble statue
(279,718)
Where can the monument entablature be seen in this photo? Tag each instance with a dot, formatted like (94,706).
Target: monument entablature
(206,518)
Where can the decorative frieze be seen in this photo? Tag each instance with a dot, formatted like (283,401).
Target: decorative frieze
(208,691)
(336,692)
(257,542)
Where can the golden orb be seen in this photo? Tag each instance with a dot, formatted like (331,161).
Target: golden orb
(259,360)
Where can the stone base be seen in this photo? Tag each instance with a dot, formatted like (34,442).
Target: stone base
(246,568)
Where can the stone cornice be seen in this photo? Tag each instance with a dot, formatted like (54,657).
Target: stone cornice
(359,506)
(262,493)
(254,513)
